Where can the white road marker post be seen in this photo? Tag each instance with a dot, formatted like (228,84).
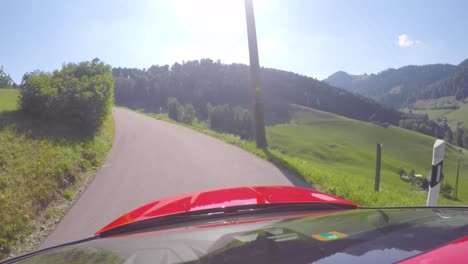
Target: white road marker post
(435,181)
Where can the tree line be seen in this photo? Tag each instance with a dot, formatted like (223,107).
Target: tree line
(180,113)
(231,119)
(221,118)
(437,128)
(5,80)
(422,124)
(204,82)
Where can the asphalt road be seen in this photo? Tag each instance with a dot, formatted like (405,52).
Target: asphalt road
(151,159)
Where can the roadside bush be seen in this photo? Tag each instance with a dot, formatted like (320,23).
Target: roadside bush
(173,108)
(411,178)
(424,183)
(446,190)
(80,94)
(177,112)
(227,119)
(401,172)
(189,114)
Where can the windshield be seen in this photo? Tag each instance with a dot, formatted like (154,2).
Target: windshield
(108,105)
(351,236)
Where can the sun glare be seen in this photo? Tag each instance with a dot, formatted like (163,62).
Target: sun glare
(213,14)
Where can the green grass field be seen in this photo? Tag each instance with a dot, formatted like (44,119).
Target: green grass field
(8,99)
(40,161)
(344,151)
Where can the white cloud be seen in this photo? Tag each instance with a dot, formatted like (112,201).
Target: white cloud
(404,41)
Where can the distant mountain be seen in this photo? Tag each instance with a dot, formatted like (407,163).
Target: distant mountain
(394,87)
(344,80)
(341,79)
(207,82)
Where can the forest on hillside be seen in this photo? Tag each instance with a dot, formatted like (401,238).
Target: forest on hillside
(454,85)
(206,82)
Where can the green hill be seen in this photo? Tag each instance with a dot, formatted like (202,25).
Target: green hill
(340,155)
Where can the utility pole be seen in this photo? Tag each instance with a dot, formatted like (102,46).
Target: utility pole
(456,181)
(259,122)
(377,168)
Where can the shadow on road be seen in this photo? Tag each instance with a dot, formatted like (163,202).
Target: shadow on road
(291,174)
(36,128)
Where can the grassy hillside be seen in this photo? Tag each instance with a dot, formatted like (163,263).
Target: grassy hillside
(432,107)
(40,162)
(341,154)
(458,115)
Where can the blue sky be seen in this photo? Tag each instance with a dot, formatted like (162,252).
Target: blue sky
(310,37)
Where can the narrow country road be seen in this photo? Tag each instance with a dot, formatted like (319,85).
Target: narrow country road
(151,159)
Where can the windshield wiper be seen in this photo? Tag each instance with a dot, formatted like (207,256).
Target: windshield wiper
(209,215)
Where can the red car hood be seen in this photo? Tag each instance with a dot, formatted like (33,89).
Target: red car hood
(224,198)
(453,252)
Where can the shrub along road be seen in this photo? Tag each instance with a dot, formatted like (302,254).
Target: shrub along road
(151,159)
